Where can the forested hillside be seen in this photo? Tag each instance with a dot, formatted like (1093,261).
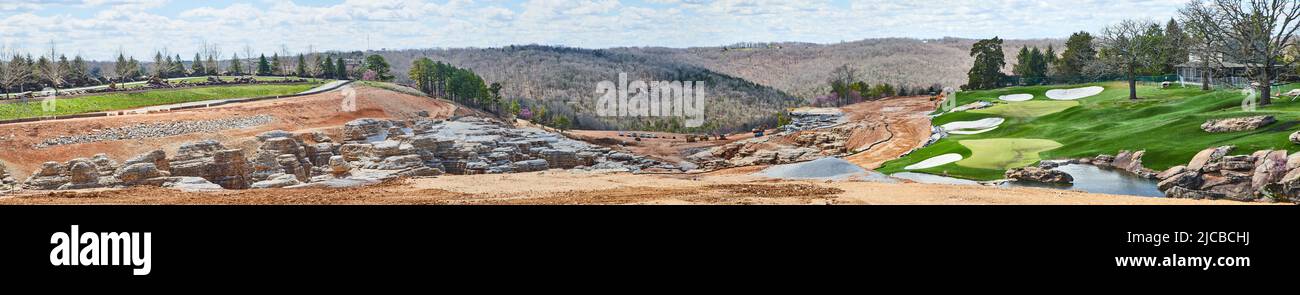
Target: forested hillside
(748,82)
(563,81)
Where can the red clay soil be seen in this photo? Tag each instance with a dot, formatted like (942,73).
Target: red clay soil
(892,128)
(319,112)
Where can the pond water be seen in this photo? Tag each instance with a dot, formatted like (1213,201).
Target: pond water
(1087,178)
(1094,179)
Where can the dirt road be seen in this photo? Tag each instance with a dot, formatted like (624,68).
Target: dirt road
(565,187)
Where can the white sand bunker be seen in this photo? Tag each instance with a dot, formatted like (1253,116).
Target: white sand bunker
(824,169)
(1016,97)
(1073,94)
(934,162)
(973,127)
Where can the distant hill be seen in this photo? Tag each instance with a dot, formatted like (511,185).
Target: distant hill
(803,68)
(564,79)
(750,82)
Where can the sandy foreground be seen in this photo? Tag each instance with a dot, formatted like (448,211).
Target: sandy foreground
(574,187)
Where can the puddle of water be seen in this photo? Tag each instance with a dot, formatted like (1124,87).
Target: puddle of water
(1093,179)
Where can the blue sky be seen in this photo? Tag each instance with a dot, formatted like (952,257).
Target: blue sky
(98,29)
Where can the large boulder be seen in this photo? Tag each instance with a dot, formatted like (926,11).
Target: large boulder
(1295,137)
(1171,172)
(1041,175)
(339,167)
(1190,179)
(1208,155)
(157,157)
(82,173)
(137,173)
(1236,124)
(364,129)
(387,148)
(49,176)
(1271,168)
(355,151)
(1179,192)
(107,167)
(319,154)
(210,160)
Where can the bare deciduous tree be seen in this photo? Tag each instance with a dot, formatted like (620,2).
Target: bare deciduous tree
(1256,33)
(1204,45)
(53,71)
(1129,46)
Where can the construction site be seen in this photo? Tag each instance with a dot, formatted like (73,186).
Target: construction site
(398,148)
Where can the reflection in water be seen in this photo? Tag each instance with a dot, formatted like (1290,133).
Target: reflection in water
(1092,179)
(1087,178)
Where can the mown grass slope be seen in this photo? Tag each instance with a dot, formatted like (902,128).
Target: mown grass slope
(1164,122)
(122,101)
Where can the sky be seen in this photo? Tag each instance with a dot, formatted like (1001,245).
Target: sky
(99,29)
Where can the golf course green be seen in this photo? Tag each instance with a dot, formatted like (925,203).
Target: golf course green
(1164,122)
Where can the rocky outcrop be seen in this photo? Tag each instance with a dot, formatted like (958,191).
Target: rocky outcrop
(138,173)
(281,154)
(376,150)
(1208,155)
(210,160)
(7,181)
(49,176)
(156,157)
(81,173)
(1212,174)
(1236,124)
(1036,174)
(107,167)
(362,129)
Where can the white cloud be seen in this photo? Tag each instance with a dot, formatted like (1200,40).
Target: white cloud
(98,27)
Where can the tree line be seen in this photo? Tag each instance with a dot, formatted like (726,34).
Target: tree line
(848,87)
(22,72)
(1125,50)
(1256,35)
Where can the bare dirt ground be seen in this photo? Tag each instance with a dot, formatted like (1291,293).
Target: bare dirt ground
(895,126)
(319,112)
(564,187)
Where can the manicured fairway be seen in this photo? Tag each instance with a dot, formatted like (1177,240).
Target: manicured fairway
(1004,153)
(1164,122)
(1028,109)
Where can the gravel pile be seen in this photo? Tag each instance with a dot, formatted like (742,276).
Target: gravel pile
(161,129)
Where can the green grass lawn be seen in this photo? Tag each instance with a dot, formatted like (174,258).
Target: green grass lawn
(1004,153)
(122,101)
(1028,109)
(1164,122)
